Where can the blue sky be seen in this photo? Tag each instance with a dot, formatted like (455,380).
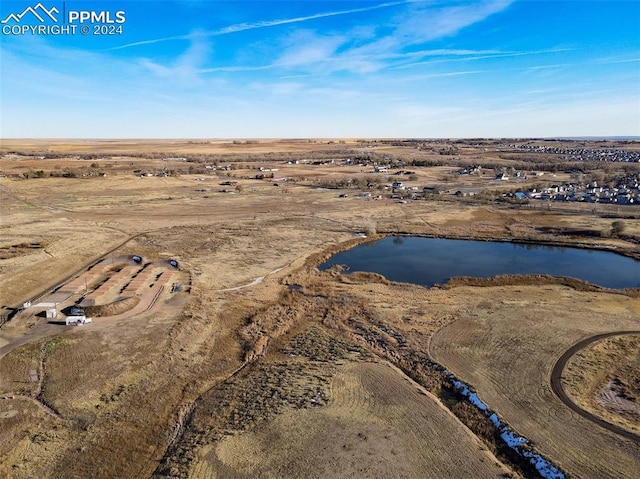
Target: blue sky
(240,69)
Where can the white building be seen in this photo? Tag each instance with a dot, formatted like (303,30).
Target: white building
(77,320)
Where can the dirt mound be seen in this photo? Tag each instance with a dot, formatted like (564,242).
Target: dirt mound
(112,309)
(20,249)
(616,397)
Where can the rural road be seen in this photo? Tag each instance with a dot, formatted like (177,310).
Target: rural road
(256,281)
(556,385)
(39,331)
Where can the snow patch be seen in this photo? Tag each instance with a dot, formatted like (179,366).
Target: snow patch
(516,442)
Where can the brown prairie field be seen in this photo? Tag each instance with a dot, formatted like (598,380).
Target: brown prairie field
(603,379)
(486,347)
(261,366)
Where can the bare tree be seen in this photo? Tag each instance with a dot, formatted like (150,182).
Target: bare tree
(618,227)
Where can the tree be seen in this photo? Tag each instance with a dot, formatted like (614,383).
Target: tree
(370,226)
(618,227)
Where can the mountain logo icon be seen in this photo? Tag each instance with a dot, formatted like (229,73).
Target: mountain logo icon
(39,11)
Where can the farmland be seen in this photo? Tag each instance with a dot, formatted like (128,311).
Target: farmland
(263,366)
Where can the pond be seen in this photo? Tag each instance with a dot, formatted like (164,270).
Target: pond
(429,261)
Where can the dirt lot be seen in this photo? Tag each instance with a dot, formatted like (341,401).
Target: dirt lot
(266,367)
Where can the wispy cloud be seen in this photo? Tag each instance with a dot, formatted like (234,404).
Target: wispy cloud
(422,22)
(426,22)
(612,62)
(187,67)
(241,27)
(417,24)
(449,74)
(310,48)
(149,42)
(303,91)
(471,55)
(273,23)
(361,49)
(239,68)
(278,88)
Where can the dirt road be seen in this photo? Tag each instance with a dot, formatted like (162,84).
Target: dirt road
(556,385)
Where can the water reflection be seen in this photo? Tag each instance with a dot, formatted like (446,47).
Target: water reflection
(429,261)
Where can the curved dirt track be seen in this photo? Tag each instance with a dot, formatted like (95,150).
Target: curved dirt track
(45,329)
(67,278)
(556,384)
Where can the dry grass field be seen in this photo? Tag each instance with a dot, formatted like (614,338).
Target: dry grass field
(604,380)
(505,343)
(264,366)
(375,424)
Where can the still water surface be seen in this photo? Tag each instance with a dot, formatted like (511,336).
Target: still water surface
(429,261)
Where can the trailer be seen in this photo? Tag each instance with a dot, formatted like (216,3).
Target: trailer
(76,320)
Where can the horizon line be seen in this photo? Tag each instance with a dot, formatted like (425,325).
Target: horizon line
(268,138)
